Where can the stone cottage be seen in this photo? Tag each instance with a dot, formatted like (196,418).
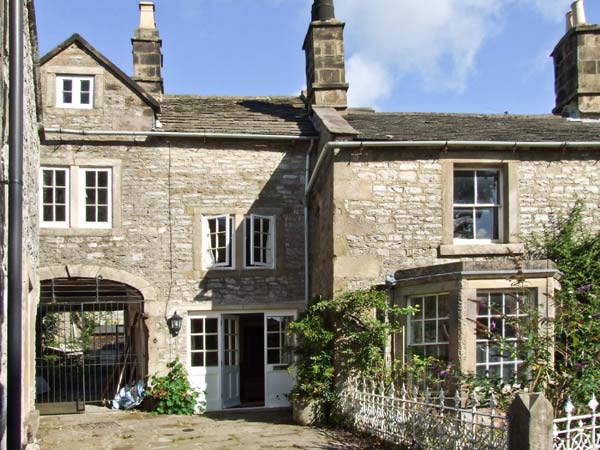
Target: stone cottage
(230,213)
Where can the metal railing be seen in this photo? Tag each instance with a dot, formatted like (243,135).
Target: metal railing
(578,432)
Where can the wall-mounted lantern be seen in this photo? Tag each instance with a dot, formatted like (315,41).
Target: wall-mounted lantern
(174,323)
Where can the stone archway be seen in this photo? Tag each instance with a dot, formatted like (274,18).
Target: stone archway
(91,336)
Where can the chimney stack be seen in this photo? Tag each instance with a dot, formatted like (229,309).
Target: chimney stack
(147,56)
(577,67)
(325,65)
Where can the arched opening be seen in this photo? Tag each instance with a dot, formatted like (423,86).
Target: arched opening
(90,342)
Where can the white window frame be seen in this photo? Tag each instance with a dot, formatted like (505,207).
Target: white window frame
(229,244)
(285,344)
(253,263)
(83,200)
(503,361)
(418,319)
(473,206)
(204,334)
(55,223)
(76,81)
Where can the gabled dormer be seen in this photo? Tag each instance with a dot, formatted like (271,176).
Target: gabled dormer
(82,89)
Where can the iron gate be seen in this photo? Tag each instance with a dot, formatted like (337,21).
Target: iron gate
(90,342)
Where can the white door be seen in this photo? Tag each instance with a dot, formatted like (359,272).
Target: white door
(230,361)
(203,362)
(279,378)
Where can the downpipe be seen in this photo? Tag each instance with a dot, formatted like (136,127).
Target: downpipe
(15,228)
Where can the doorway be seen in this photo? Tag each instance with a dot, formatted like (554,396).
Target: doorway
(252,360)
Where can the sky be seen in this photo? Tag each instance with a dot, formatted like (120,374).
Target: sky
(470,56)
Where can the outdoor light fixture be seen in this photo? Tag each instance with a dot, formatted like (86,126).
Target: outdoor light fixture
(174,324)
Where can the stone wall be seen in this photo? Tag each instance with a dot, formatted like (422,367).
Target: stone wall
(116,107)
(389,212)
(165,189)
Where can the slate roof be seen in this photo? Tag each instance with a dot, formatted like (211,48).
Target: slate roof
(245,115)
(471,127)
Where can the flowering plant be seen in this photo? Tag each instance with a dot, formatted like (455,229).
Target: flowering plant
(173,392)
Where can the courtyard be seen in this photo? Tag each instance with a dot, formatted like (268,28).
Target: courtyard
(102,429)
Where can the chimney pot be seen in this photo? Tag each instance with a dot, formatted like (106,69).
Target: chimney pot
(570,22)
(147,15)
(323,10)
(578,10)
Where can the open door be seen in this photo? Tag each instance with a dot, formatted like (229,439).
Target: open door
(203,366)
(278,376)
(230,374)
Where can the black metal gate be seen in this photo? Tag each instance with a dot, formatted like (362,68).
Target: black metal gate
(90,341)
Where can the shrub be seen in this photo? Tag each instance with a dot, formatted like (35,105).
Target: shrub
(173,393)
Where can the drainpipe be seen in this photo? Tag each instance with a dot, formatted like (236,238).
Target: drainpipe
(15,227)
(492,145)
(306,233)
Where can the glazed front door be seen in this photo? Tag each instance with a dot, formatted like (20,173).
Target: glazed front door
(278,351)
(230,360)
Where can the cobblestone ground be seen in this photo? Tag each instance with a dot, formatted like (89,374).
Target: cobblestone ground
(107,430)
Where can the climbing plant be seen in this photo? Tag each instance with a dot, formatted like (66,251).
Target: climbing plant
(339,337)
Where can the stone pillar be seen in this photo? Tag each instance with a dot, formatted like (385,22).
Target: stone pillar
(530,424)
(325,65)
(147,55)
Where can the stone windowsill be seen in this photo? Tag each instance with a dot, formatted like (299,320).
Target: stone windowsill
(481,249)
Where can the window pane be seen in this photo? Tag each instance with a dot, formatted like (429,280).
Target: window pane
(463,223)
(67,85)
(430,331)
(48,213)
(61,214)
(103,178)
(85,85)
(443,306)
(90,179)
(67,97)
(102,214)
(487,223)
(212,342)
(418,303)
(198,359)
(103,196)
(429,307)
(48,195)
(90,214)
(464,187)
(273,340)
(417,333)
(48,177)
(90,196)
(273,324)
(212,359)
(212,325)
(61,196)
(197,343)
(443,335)
(273,357)
(197,325)
(60,178)
(487,186)
(85,98)
(496,304)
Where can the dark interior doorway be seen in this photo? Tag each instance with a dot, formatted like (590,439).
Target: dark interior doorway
(252,360)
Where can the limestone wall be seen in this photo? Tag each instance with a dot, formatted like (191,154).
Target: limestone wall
(164,189)
(389,205)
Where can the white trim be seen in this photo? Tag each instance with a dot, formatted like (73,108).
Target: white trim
(83,223)
(54,223)
(76,81)
(249,240)
(473,206)
(422,320)
(229,243)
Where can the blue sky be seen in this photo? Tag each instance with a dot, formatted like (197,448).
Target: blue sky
(480,56)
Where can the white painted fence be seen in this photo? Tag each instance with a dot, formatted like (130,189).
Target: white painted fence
(422,421)
(580,432)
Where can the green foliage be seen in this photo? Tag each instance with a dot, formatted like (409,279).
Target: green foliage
(576,252)
(174,394)
(338,338)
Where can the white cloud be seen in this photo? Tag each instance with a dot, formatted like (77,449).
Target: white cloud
(369,81)
(436,40)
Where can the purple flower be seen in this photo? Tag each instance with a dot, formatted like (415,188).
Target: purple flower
(579,365)
(443,373)
(493,325)
(585,287)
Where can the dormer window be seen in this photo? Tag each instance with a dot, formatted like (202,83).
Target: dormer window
(74,91)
